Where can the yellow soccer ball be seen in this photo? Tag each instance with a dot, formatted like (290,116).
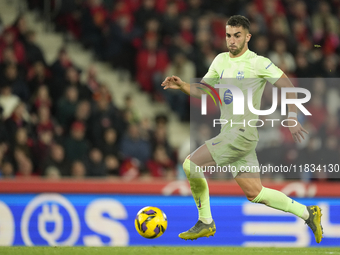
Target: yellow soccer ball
(151,222)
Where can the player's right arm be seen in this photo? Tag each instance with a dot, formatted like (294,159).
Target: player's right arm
(175,82)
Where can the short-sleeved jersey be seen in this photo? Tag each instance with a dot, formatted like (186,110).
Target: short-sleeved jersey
(246,71)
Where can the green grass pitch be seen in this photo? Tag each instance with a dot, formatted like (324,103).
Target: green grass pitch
(163,251)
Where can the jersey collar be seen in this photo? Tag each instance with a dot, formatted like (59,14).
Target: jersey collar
(242,57)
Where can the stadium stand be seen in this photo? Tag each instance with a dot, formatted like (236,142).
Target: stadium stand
(61,118)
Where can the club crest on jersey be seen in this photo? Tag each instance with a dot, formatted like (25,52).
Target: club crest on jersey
(240,75)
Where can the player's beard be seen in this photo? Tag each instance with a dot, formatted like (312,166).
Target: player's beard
(237,50)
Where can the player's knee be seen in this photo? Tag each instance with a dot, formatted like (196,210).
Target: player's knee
(186,167)
(191,170)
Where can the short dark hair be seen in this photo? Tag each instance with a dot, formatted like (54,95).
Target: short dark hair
(239,20)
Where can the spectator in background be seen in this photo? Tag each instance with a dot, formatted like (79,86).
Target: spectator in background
(170,19)
(281,58)
(67,106)
(132,146)
(270,9)
(112,165)
(195,9)
(326,28)
(7,58)
(145,128)
(319,88)
(41,99)
(95,163)
(44,120)
(150,61)
(261,45)
(8,101)
(145,12)
(19,118)
(186,30)
(160,165)
(6,170)
(68,18)
(298,11)
(58,70)
(129,107)
(76,147)
(177,100)
(303,67)
(23,141)
(33,51)
(310,155)
(9,40)
(92,79)
(257,23)
(105,115)
(120,45)
(52,173)
(16,82)
(108,144)
(279,30)
(315,58)
(57,160)
(3,131)
(73,79)
(178,43)
(25,168)
(41,149)
(93,24)
(61,64)
(330,67)
(19,28)
(329,153)
(160,134)
(82,114)
(301,35)
(78,170)
(291,156)
(17,154)
(330,128)
(38,75)
(205,55)
(318,110)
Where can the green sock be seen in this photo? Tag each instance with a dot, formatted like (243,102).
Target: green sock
(276,199)
(199,188)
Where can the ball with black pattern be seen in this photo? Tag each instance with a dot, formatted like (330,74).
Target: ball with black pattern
(151,222)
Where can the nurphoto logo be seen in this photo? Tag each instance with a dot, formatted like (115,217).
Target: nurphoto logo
(235,96)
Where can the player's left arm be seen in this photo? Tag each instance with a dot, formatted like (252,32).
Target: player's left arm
(297,131)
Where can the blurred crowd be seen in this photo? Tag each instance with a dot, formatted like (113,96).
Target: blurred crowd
(54,124)
(49,114)
(153,39)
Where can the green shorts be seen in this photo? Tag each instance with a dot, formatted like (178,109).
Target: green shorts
(233,153)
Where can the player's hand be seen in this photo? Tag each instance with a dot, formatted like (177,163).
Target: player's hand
(297,131)
(172,82)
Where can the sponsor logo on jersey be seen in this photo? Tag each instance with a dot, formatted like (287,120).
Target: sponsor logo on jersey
(240,75)
(228,97)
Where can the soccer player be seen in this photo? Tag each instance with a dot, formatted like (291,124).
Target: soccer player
(235,146)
